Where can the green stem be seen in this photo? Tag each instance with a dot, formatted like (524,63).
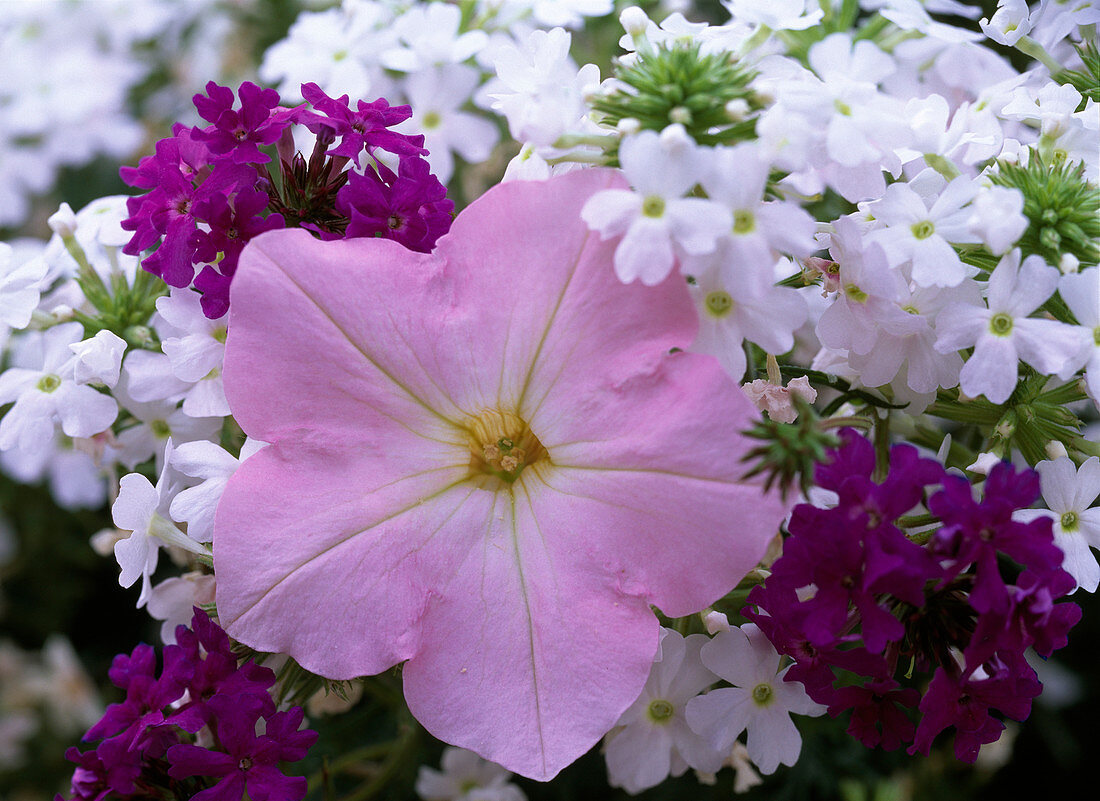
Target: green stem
(873,28)
(943,165)
(364,754)
(912,521)
(846,422)
(1030,47)
(579,158)
(882,446)
(390,767)
(566,141)
(759,36)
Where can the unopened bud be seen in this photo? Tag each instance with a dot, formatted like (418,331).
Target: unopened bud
(1055,450)
(675,138)
(103,541)
(714,621)
(737,109)
(680,115)
(63,221)
(1068,263)
(628,126)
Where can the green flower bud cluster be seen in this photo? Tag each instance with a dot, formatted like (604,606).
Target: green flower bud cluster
(788,451)
(122,308)
(1027,422)
(709,94)
(1062,208)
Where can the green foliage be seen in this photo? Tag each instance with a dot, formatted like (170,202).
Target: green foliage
(1087,80)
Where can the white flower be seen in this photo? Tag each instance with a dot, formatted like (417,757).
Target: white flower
(336,49)
(154,423)
(734,306)
(922,233)
(652,738)
(428,37)
(196,505)
(760,700)
(737,177)
(436,95)
(74,478)
(1068,492)
(466,777)
(662,168)
(1056,19)
(997,218)
(1081,292)
(1002,335)
(569,13)
(98,359)
(142,509)
(539,89)
(868,294)
(174,599)
(190,366)
(1009,22)
(51,394)
(20,287)
(778,15)
(62,683)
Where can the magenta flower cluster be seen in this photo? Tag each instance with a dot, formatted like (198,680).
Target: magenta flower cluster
(211,189)
(867,614)
(148,747)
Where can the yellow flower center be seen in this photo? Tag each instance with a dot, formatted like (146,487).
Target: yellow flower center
(501,447)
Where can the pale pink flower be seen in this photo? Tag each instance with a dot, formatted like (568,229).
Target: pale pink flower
(777,400)
(487,462)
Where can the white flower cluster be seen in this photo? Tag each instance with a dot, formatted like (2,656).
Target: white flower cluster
(440,62)
(67,73)
(42,690)
(885,122)
(86,408)
(675,724)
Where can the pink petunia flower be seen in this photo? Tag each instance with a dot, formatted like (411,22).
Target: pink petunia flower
(487,462)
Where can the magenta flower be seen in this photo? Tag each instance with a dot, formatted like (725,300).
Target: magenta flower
(488,462)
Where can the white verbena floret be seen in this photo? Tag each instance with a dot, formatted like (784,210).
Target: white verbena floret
(21,284)
(652,739)
(539,89)
(142,509)
(760,700)
(1002,334)
(437,95)
(736,304)
(98,359)
(206,461)
(49,395)
(428,36)
(997,218)
(1009,22)
(1081,292)
(656,220)
(1068,492)
(466,777)
(921,230)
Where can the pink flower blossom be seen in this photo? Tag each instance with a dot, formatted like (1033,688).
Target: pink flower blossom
(487,462)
